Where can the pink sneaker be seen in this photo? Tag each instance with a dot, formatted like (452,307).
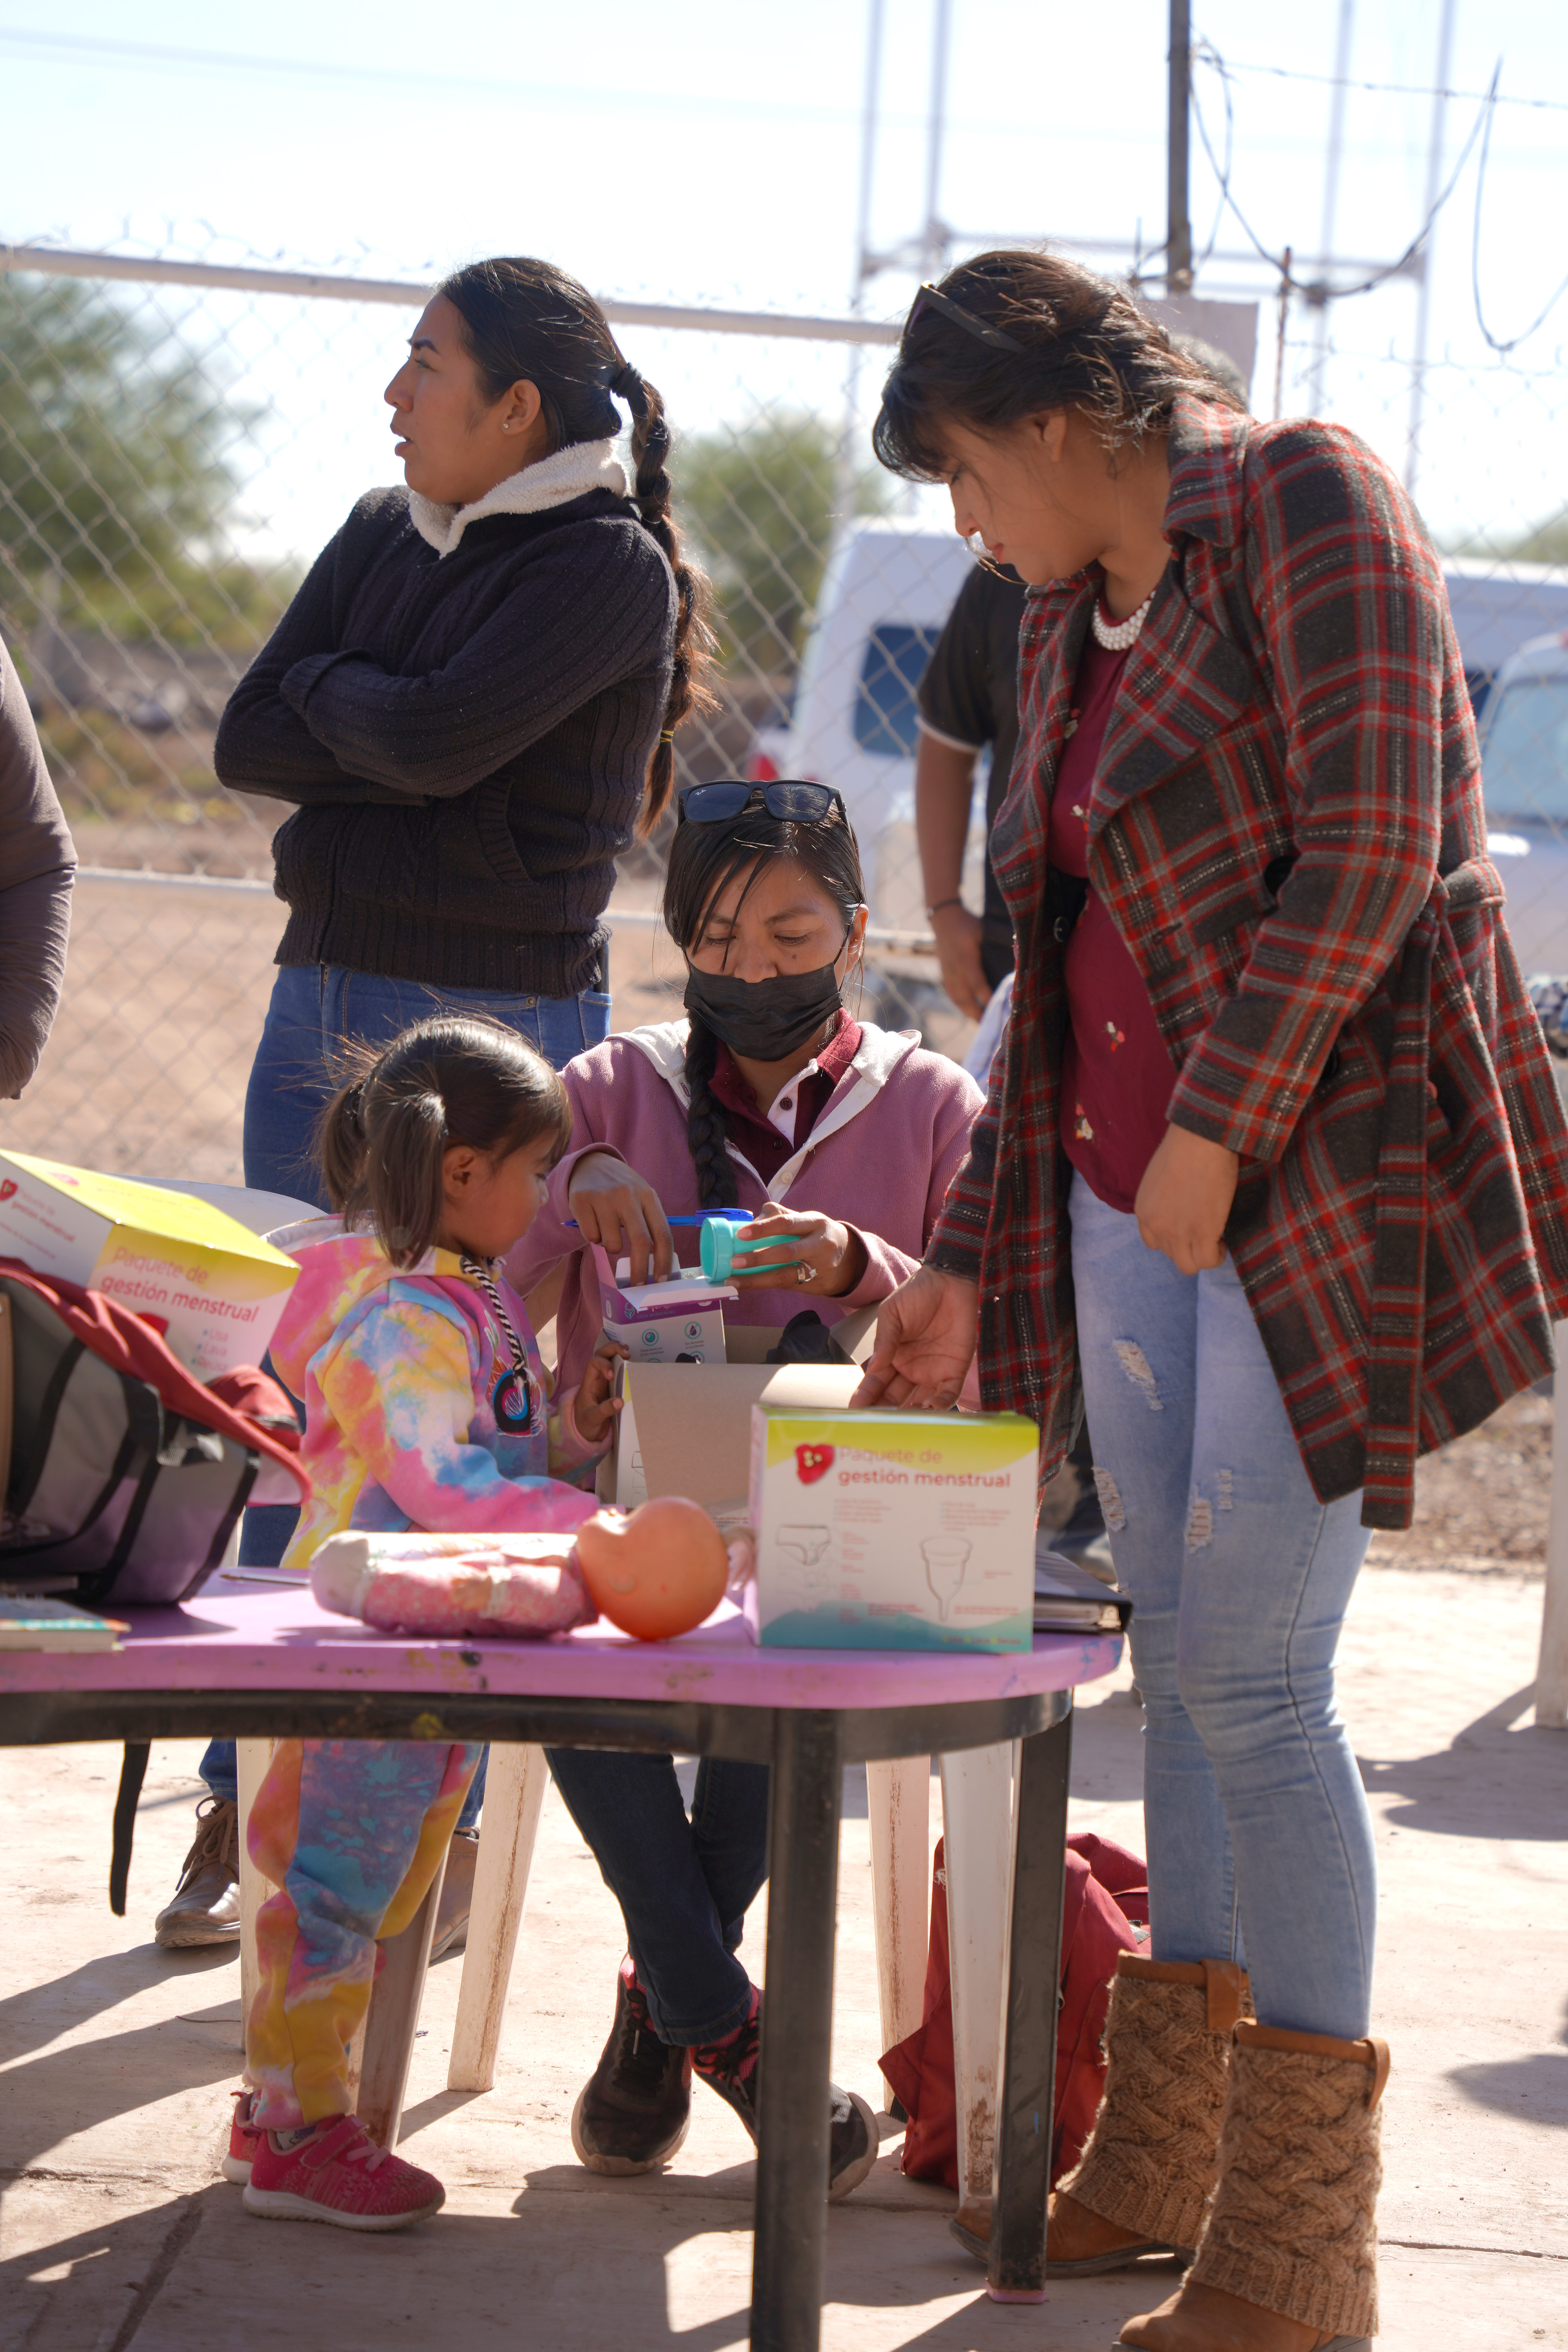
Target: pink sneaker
(339,2175)
(243,2135)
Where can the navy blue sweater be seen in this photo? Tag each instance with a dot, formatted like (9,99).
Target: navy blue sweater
(467,738)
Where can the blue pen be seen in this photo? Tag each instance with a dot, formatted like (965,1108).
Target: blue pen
(708,1217)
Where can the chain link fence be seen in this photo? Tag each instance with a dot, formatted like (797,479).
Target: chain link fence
(179,436)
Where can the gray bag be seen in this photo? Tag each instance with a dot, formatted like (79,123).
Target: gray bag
(117,1490)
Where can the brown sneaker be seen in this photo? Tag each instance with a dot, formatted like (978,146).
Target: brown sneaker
(205,1908)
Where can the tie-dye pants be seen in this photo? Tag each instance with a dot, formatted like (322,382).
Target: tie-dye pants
(351,1834)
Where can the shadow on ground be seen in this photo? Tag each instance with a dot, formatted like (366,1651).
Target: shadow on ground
(1446,1794)
(1533,2090)
(43,2012)
(198,2270)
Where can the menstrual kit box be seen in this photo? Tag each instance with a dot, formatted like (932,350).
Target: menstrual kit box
(876,1530)
(892,1530)
(213,1290)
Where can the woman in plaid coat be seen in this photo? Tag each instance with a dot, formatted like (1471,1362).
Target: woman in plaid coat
(1273,1178)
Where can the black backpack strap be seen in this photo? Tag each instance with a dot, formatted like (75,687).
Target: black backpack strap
(133,1772)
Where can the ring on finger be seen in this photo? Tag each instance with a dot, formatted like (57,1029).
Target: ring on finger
(804,1271)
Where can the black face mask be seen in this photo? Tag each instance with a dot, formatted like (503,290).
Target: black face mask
(766,1019)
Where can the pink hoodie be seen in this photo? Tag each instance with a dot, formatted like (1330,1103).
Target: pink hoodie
(891,1139)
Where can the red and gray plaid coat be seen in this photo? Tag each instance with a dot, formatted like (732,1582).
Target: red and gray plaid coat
(1287,829)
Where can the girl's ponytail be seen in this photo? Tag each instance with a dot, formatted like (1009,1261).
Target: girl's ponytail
(694,638)
(340,1143)
(404,1195)
(717,1187)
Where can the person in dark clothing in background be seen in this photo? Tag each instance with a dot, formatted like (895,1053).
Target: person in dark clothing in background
(968,698)
(38,869)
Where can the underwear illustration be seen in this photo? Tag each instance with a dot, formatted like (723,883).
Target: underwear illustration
(946,1558)
(809,1543)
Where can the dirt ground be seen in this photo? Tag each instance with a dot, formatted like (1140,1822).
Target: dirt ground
(1481,1504)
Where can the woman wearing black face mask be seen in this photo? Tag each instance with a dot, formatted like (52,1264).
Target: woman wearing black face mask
(841,1137)
(771,1096)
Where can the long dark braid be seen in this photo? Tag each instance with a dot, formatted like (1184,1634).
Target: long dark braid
(522,318)
(694,639)
(718,1186)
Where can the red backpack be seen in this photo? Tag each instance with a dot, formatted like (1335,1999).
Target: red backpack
(1105,1912)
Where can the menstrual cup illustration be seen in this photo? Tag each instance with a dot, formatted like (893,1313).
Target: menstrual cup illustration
(946,1558)
(807,1544)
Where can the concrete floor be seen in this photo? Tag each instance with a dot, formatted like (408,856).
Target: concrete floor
(115,2061)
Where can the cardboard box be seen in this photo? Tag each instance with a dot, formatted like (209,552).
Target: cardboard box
(213,1290)
(890,1530)
(680,1321)
(686,1429)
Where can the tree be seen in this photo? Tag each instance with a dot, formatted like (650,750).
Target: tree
(761,502)
(1547,543)
(113,475)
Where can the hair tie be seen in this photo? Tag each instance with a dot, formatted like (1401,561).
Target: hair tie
(668,736)
(625,383)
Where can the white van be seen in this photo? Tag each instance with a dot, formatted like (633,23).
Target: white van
(1525,774)
(887,590)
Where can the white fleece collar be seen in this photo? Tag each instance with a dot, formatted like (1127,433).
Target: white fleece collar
(571,473)
(879,1053)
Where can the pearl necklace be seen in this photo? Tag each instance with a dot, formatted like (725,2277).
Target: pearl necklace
(1117,635)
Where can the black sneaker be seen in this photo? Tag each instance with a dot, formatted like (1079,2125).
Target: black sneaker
(731,2069)
(634,2109)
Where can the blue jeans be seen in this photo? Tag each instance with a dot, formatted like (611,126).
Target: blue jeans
(316,1009)
(683,1886)
(1259,1830)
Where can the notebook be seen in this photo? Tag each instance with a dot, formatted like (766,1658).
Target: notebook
(29,1622)
(1072,1600)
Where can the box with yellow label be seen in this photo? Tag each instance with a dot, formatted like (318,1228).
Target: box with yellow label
(213,1290)
(892,1530)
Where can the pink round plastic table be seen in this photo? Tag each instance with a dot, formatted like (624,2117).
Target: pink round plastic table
(247,1664)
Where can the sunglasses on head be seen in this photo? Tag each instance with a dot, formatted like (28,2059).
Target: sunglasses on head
(792,800)
(933,298)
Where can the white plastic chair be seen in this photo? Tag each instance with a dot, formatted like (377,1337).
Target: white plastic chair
(977,1807)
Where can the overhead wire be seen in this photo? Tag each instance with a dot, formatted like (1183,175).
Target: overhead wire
(1501,349)
(1204,51)
(1398,89)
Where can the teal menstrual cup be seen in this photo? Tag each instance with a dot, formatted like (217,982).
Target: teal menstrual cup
(721,1251)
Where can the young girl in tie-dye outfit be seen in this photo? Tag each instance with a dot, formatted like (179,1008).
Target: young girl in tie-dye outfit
(425,1407)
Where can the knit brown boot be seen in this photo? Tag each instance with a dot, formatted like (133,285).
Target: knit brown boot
(1143,2180)
(1289,2260)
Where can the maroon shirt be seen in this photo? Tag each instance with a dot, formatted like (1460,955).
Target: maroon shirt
(746,1120)
(1116,1076)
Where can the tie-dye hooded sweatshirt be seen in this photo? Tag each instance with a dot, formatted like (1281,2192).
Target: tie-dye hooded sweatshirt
(397,1369)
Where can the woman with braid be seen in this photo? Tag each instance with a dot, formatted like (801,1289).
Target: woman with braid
(842,1138)
(470,698)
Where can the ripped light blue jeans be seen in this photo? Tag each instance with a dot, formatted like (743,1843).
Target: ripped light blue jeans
(1259,1834)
